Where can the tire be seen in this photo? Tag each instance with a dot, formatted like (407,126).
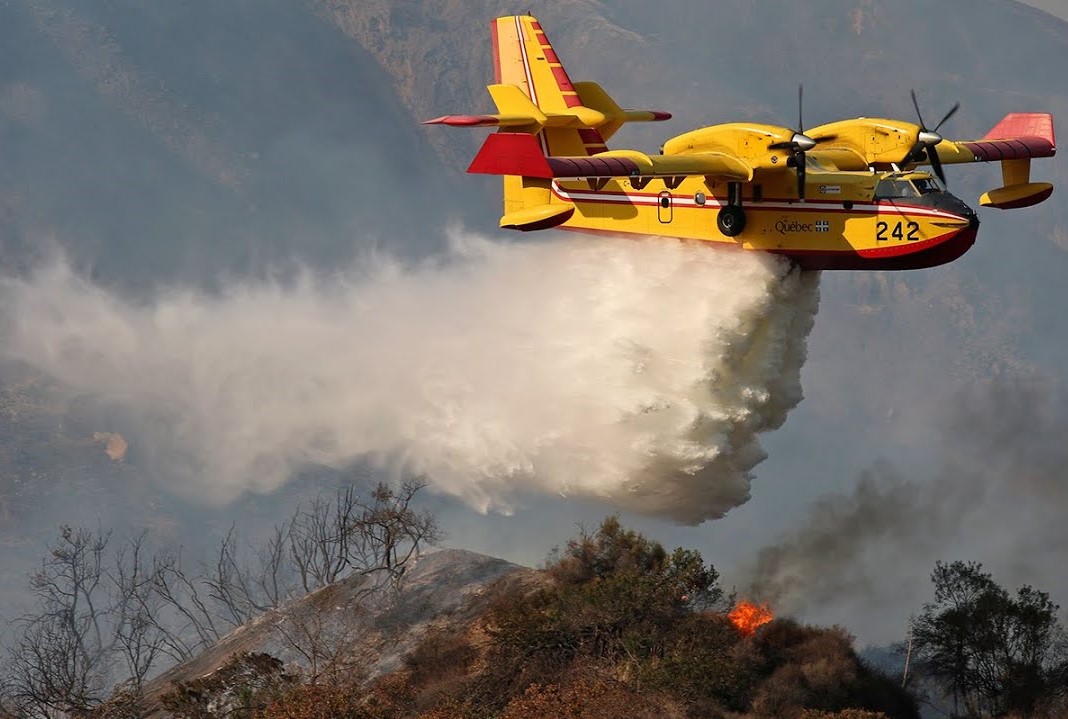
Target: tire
(731,220)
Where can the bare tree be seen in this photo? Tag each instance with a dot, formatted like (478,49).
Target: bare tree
(389,533)
(190,622)
(102,619)
(319,538)
(139,637)
(275,578)
(60,661)
(324,541)
(232,586)
(324,643)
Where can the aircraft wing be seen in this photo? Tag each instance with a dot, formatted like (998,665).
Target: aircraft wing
(872,142)
(1013,142)
(518,153)
(839,158)
(1019,136)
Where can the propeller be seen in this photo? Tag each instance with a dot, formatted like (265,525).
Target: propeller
(927,139)
(800,143)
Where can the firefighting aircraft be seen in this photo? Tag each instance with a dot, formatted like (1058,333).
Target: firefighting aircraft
(846,195)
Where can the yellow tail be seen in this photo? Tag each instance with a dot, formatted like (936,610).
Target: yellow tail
(534,95)
(524,58)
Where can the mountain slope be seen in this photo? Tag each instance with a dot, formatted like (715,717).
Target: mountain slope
(467,635)
(444,591)
(176,141)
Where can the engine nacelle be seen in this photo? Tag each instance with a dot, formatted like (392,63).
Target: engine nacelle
(876,141)
(749,142)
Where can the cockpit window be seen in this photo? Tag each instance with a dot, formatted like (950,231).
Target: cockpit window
(927,185)
(894,188)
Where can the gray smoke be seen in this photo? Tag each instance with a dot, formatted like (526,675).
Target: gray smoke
(999,496)
(638,373)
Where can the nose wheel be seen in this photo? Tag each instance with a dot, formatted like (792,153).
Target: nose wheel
(731,218)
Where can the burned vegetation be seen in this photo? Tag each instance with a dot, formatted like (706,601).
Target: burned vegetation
(623,627)
(614,625)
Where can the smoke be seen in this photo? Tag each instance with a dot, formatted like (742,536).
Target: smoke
(640,373)
(998,496)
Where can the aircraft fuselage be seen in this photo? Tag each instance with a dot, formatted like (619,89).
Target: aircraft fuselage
(871,220)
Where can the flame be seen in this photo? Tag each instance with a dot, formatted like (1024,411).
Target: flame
(747,617)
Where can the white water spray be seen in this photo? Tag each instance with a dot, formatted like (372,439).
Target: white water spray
(637,372)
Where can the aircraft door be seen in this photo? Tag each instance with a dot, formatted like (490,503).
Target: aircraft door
(664,207)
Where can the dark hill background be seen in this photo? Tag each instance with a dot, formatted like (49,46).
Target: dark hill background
(161,142)
(180,140)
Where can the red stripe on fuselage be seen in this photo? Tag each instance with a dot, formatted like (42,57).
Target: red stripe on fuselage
(948,247)
(645,198)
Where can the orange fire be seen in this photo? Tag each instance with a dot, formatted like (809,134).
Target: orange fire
(747,616)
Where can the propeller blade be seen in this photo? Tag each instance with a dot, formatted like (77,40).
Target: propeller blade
(825,138)
(800,175)
(916,104)
(927,140)
(951,113)
(800,105)
(936,164)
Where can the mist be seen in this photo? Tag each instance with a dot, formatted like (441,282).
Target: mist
(638,373)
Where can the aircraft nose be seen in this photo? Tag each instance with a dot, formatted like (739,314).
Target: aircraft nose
(952,204)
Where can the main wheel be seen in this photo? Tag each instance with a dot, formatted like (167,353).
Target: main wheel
(731,220)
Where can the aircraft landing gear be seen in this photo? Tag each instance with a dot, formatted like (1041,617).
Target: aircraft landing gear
(731,218)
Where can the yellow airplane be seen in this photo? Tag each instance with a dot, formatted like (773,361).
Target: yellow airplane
(845,195)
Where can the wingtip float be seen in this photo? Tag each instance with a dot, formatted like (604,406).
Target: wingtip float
(845,195)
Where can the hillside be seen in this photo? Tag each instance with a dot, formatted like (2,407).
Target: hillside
(447,590)
(613,625)
(445,645)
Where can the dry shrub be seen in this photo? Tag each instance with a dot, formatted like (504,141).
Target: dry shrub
(584,698)
(846,714)
(247,681)
(785,642)
(439,668)
(319,701)
(393,690)
(1056,709)
(124,703)
(783,695)
(700,666)
(526,647)
(814,669)
(451,711)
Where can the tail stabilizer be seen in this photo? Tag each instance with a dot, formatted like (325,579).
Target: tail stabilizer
(595,98)
(543,119)
(533,93)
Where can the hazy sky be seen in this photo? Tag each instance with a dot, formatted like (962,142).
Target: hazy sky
(1056,7)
